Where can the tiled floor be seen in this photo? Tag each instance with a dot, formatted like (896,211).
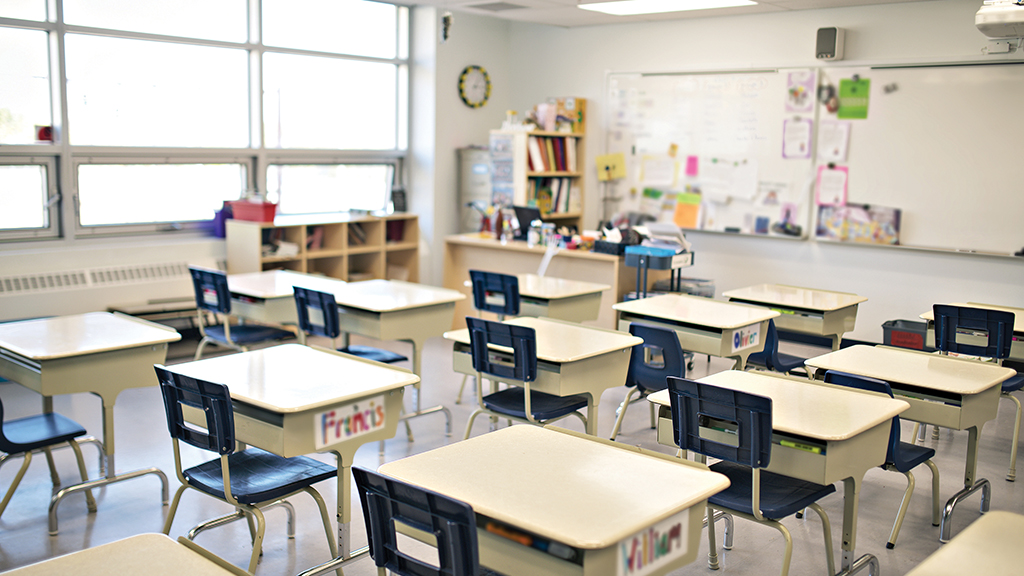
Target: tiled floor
(133,507)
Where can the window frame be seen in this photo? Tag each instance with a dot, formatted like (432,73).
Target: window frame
(62,159)
(53,228)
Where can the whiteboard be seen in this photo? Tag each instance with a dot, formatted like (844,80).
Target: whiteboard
(719,133)
(944,145)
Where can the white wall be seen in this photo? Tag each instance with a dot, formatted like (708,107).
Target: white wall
(899,283)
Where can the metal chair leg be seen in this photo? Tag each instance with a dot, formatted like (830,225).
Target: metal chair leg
(1011,475)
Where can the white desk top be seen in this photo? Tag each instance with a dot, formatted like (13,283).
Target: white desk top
(560,341)
(393,295)
(934,371)
(549,288)
(152,554)
(990,545)
(806,298)
(1018,313)
(823,412)
(278,283)
(580,492)
(294,378)
(697,310)
(80,334)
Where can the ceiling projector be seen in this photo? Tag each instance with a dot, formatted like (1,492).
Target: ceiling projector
(1001,19)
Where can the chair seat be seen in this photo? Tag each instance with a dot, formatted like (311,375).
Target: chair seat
(909,456)
(248,333)
(259,476)
(781,496)
(375,354)
(511,402)
(788,362)
(29,433)
(1013,383)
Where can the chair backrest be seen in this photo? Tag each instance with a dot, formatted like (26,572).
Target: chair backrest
(387,502)
(213,399)
(522,341)
(769,355)
(317,312)
(495,292)
(211,289)
(657,358)
(871,385)
(973,331)
(737,426)
(5,444)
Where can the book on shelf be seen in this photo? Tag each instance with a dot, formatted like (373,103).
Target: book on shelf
(559,145)
(570,153)
(356,234)
(550,147)
(536,156)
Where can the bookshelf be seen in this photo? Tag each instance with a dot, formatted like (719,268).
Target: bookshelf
(343,246)
(540,168)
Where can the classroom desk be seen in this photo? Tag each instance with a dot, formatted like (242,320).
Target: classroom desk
(151,554)
(1016,347)
(571,359)
(839,434)
(572,300)
(955,393)
(286,399)
(990,545)
(805,310)
(98,352)
(703,325)
(581,492)
(381,309)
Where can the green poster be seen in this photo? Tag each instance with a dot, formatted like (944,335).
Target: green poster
(853,98)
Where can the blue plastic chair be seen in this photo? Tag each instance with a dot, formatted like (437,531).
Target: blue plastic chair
(650,365)
(736,427)
(318,316)
(496,293)
(213,296)
(985,333)
(247,480)
(20,437)
(901,456)
(517,402)
(770,358)
(387,502)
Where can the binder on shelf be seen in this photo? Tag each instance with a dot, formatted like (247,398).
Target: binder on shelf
(559,144)
(551,154)
(570,153)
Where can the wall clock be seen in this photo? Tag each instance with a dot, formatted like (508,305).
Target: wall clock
(474,86)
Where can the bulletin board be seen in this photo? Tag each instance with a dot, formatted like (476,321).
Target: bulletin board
(724,151)
(943,145)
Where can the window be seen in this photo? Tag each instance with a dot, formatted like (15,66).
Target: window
(305,189)
(116,194)
(24,85)
(125,92)
(25,193)
(174,107)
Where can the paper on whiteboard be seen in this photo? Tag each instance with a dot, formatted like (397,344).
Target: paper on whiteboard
(721,179)
(833,141)
(658,171)
(831,190)
(796,138)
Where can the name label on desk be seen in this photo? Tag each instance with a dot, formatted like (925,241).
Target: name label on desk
(349,421)
(746,337)
(682,260)
(647,551)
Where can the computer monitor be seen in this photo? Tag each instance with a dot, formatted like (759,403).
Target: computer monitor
(524,215)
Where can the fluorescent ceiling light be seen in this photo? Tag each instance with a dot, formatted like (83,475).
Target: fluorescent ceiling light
(632,7)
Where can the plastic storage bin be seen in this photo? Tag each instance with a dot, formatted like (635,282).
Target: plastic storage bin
(253,211)
(904,333)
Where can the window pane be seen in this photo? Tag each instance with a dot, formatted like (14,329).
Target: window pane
(329,188)
(218,20)
(23,197)
(111,194)
(24,85)
(24,9)
(340,26)
(139,93)
(328,103)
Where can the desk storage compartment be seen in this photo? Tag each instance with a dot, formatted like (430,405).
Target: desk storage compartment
(904,333)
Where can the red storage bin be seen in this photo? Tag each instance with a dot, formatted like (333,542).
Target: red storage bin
(253,211)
